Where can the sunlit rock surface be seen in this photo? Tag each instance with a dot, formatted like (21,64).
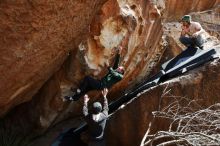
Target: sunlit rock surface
(36,37)
(48,47)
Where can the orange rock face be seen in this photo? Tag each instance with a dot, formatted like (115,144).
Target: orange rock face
(36,37)
(49,46)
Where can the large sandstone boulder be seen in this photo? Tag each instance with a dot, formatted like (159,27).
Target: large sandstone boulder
(36,37)
(49,46)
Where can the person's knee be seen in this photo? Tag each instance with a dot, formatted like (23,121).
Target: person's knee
(186,41)
(180,39)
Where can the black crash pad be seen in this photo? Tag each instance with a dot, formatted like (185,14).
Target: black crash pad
(187,60)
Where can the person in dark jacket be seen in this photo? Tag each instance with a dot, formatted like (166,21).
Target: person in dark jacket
(114,75)
(96,119)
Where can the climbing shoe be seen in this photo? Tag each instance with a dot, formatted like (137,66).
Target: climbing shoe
(201,47)
(71,98)
(68,98)
(75,91)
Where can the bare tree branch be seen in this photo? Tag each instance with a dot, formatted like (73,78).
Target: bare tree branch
(190,124)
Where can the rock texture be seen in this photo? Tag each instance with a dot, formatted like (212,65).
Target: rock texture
(36,37)
(174,9)
(210,20)
(128,125)
(49,46)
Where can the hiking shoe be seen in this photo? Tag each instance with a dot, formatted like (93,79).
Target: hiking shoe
(68,98)
(75,91)
(71,98)
(201,47)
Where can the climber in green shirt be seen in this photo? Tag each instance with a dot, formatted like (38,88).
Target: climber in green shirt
(114,75)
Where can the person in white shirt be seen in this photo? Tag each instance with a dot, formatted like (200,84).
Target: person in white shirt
(192,33)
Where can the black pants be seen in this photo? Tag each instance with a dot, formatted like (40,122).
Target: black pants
(190,41)
(90,83)
(183,56)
